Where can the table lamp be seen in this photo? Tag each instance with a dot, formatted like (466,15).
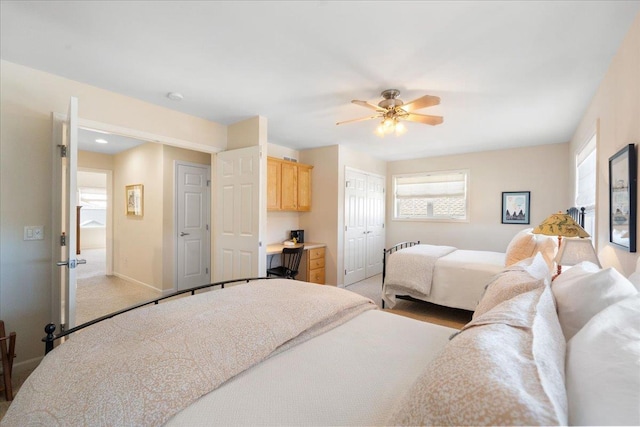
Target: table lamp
(574,251)
(561,225)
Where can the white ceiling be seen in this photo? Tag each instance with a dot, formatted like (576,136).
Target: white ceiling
(509,73)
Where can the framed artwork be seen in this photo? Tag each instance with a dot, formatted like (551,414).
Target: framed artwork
(515,207)
(135,199)
(623,203)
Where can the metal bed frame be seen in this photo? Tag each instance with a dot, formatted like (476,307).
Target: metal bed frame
(50,328)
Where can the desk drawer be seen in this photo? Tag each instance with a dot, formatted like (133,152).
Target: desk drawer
(316,276)
(316,263)
(316,253)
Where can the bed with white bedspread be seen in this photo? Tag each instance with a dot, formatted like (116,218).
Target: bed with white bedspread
(452,277)
(284,352)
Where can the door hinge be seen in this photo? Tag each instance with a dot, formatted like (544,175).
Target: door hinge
(207,227)
(345,227)
(63,239)
(63,150)
(259,244)
(208,182)
(206,270)
(345,272)
(63,327)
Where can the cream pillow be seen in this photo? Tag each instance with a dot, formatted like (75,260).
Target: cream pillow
(582,293)
(520,247)
(522,277)
(505,368)
(603,367)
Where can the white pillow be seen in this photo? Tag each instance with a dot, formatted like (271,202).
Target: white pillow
(603,367)
(520,247)
(582,293)
(547,246)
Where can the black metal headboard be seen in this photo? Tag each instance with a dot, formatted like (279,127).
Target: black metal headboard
(577,215)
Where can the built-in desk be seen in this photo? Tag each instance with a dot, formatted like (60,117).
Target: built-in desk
(312,262)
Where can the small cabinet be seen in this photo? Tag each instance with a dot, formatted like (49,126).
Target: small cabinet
(312,266)
(288,185)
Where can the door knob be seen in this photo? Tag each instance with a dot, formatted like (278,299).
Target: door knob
(182,233)
(71,263)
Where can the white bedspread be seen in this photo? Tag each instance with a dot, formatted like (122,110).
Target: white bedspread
(353,375)
(458,279)
(411,270)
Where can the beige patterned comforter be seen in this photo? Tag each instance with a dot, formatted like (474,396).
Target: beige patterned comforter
(142,367)
(410,271)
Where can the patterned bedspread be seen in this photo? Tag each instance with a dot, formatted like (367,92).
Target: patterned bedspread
(142,367)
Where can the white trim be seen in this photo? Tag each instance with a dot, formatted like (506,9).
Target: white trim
(137,134)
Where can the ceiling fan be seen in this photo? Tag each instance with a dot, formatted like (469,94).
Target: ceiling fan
(392,109)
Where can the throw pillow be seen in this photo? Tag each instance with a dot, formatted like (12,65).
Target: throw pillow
(520,247)
(582,293)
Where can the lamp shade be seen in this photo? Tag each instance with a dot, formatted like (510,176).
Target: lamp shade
(560,224)
(574,251)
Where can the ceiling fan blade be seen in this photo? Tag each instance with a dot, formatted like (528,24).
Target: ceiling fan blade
(423,118)
(368,105)
(358,120)
(422,102)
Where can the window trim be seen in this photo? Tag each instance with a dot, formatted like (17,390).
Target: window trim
(467,175)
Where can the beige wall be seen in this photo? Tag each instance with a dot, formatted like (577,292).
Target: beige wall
(614,113)
(28,98)
(325,222)
(541,170)
(137,241)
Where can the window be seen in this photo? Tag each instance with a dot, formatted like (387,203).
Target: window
(431,196)
(586,183)
(94,207)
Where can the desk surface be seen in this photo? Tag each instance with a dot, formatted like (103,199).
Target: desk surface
(276,248)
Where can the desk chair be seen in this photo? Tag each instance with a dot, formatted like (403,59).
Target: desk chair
(290,263)
(7,359)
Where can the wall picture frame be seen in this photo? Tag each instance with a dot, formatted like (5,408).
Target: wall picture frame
(516,207)
(623,201)
(134,200)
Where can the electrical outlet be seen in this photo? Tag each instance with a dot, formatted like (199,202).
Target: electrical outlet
(33,232)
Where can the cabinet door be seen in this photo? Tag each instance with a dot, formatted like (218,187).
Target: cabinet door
(289,196)
(274,182)
(304,188)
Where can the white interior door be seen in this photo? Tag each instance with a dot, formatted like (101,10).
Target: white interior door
(64,217)
(355,235)
(192,219)
(364,225)
(375,224)
(240,214)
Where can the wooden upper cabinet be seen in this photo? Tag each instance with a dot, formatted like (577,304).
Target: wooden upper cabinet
(274,184)
(288,185)
(304,188)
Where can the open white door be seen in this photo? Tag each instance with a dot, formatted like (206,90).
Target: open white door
(355,221)
(65,168)
(240,214)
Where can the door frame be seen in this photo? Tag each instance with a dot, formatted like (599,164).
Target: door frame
(57,126)
(109,224)
(176,164)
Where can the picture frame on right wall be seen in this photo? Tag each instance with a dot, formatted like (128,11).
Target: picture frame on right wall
(623,201)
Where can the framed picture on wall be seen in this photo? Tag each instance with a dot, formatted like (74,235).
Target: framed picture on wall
(623,202)
(515,207)
(135,200)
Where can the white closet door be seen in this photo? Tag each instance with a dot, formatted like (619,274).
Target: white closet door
(364,225)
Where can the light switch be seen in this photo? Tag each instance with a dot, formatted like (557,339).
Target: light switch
(33,232)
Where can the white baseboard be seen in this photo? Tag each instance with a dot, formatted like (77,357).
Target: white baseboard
(131,279)
(27,365)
